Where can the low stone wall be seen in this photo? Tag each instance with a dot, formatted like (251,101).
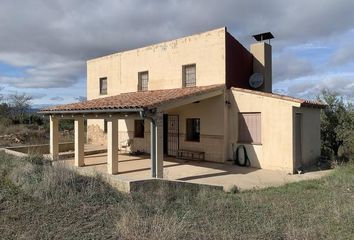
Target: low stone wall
(95,135)
(147,185)
(42,148)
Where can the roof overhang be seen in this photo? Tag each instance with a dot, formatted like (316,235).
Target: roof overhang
(188,100)
(94,111)
(122,106)
(298,101)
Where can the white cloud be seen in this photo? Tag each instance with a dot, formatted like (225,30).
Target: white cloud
(344,55)
(310,87)
(37,95)
(50,75)
(57,98)
(53,39)
(289,66)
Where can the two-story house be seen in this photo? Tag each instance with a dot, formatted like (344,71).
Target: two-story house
(203,97)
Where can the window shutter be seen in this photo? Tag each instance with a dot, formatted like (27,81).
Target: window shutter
(249,128)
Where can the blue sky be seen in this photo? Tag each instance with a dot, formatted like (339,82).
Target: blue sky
(45,44)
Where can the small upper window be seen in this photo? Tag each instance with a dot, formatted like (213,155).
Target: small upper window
(103,86)
(193,129)
(189,75)
(139,128)
(143,81)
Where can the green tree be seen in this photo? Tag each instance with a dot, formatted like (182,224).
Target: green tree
(337,124)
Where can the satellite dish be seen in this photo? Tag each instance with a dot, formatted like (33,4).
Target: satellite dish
(256,80)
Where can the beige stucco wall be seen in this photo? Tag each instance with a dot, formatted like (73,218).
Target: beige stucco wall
(262,63)
(211,114)
(219,130)
(219,124)
(109,67)
(126,132)
(276,148)
(164,62)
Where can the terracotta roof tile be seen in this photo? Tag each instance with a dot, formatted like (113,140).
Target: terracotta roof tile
(303,102)
(134,100)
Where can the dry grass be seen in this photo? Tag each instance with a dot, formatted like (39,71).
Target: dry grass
(12,135)
(29,134)
(40,201)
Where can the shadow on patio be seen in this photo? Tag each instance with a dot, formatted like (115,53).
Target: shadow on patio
(210,173)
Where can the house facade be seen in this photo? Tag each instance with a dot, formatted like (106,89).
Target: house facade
(199,87)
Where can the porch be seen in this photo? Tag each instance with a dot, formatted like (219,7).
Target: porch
(143,105)
(221,175)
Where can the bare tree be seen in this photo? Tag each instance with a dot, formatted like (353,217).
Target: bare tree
(81,98)
(20,105)
(1,95)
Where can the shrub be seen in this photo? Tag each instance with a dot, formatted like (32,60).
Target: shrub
(234,189)
(5,122)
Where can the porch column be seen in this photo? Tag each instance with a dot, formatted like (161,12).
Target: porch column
(112,145)
(79,142)
(54,138)
(157,146)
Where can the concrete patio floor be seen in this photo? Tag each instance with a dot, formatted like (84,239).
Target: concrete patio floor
(226,175)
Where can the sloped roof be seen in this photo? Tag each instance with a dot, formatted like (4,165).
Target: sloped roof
(303,102)
(134,100)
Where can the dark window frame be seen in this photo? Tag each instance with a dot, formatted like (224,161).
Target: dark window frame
(193,129)
(105,126)
(189,79)
(139,128)
(143,83)
(102,90)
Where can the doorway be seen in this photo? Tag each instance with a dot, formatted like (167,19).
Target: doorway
(171,134)
(298,141)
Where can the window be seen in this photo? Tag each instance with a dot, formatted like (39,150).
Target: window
(189,75)
(249,128)
(143,81)
(193,129)
(139,128)
(103,86)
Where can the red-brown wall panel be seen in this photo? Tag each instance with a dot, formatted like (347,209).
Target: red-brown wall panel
(239,63)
